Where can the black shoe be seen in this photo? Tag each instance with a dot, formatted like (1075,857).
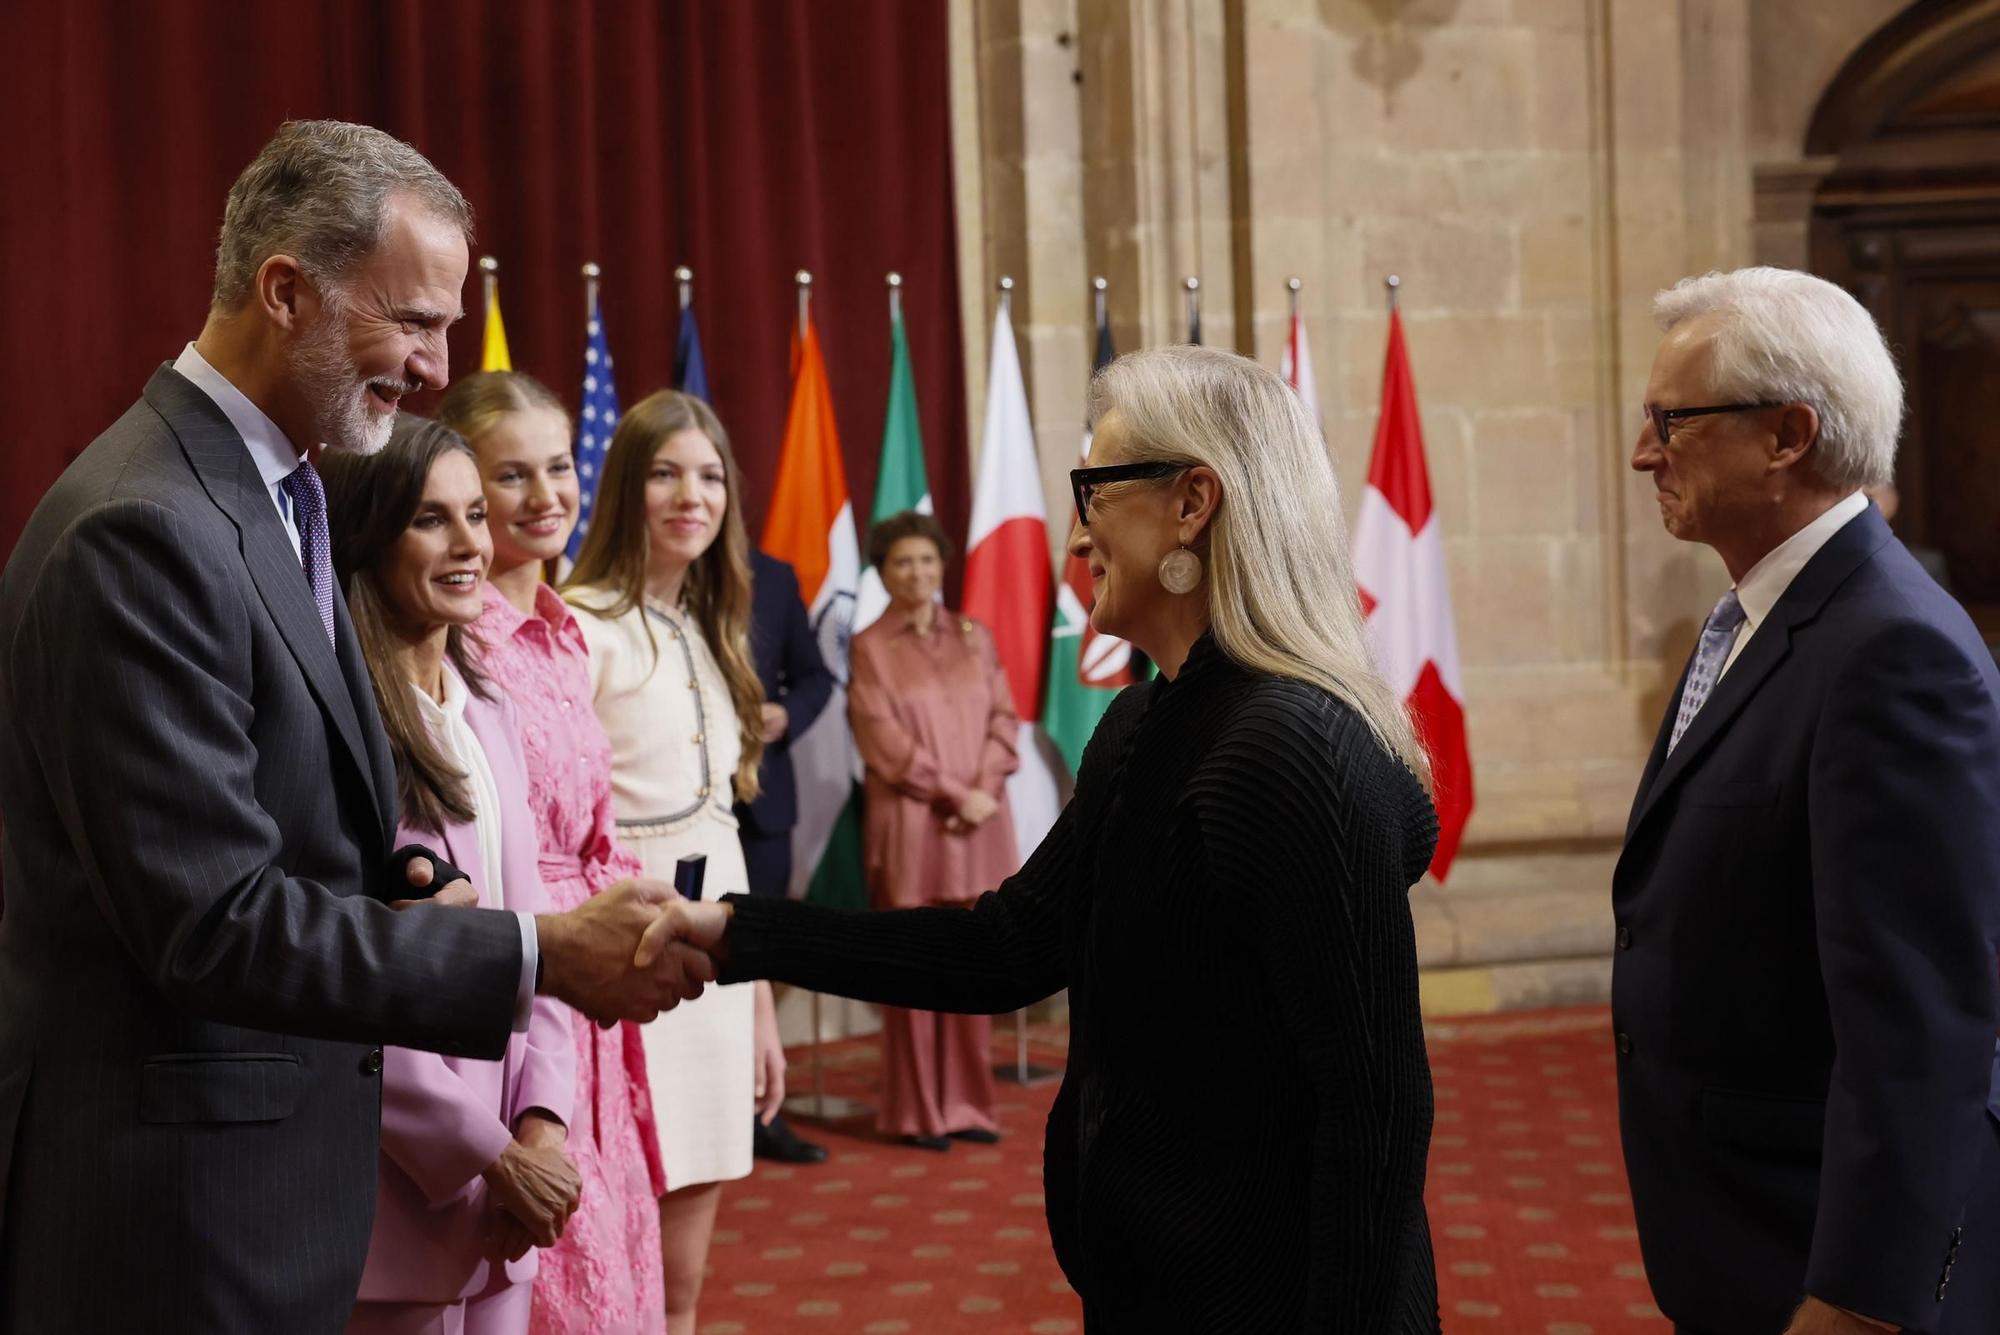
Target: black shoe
(938,1143)
(977,1136)
(779,1142)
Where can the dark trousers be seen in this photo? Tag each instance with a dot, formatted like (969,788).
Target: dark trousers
(768,857)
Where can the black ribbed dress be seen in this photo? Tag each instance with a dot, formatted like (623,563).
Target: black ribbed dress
(1239,1141)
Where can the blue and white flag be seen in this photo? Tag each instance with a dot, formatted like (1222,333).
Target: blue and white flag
(596,423)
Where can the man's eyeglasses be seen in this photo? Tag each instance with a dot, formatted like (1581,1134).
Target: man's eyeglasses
(1663,419)
(1085,481)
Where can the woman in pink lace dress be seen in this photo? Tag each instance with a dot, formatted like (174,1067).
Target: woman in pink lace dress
(604,1276)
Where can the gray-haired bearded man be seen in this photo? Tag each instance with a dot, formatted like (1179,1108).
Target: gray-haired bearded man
(197,959)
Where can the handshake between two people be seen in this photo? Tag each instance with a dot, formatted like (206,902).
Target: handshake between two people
(631,951)
(627,953)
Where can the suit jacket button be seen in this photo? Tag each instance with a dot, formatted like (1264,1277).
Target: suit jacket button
(1624,1043)
(372,1063)
(1624,937)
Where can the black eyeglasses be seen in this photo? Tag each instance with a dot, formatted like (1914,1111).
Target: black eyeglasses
(1085,481)
(1663,419)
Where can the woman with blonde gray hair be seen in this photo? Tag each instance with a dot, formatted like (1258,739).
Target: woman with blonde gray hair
(1239,1141)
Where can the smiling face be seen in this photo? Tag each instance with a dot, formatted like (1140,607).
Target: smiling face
(433,575)
(913,572)
(378,331)
(531,486)
(687,496)
(1712,477)
(1132,525)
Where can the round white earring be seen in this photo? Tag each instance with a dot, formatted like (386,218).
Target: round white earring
(1180,571)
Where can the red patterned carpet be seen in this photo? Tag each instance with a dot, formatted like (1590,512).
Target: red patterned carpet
(1527,1198)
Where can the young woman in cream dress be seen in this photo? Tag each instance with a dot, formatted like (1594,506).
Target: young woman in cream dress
(662,592)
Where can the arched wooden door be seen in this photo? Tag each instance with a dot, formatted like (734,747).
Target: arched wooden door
(1909,221)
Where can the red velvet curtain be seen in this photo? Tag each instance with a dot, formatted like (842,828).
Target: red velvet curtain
(745,138)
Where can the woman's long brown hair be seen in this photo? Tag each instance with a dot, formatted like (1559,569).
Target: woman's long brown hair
(618,546)
(370,501)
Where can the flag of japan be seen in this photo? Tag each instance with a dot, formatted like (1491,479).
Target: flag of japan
(1399,565)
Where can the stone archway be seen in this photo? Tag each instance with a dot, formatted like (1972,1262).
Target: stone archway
(1907,217)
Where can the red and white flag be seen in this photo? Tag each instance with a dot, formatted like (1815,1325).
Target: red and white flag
(1009,583)
(1297,367)
(1399,565)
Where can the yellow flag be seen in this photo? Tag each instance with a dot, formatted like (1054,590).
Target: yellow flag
(494,357)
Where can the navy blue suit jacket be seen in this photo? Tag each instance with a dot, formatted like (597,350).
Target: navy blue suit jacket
(1804,992)
(794,675)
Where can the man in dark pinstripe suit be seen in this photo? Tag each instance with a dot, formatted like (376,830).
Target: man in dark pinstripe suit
(196,967)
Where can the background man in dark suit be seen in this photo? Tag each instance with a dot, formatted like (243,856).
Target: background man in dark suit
(196,964)
(1804,993)
(796,687)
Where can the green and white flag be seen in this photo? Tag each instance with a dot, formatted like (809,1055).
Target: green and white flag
(900,483)
(1086,670)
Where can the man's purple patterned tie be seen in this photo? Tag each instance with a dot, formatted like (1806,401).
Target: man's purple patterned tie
(1709,656)
(309,510)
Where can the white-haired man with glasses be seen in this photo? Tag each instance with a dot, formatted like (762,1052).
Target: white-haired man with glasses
(1805,995)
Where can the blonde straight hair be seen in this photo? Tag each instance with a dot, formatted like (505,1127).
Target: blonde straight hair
(1281,594)
(476,403)
(618,545)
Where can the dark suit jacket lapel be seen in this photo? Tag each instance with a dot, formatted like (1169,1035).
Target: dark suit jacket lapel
(1659,754)
(361,690)
(1809,591)
(223,464)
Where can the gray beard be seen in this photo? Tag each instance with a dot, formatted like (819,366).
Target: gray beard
(329,380)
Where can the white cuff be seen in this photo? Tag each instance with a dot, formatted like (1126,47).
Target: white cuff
(531,953)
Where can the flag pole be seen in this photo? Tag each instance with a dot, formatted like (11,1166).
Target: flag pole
(591,273)
(684,281)
(489,282)
(1020,1072)
(1098,285)
(1193,286)
(895,283)
(824,1106)
(1395,287)
(1292,284)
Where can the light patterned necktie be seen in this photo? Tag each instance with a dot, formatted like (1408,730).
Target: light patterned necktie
(1709,656)
(309,509)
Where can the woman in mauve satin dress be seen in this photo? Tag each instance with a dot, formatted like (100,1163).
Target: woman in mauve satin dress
(934,721)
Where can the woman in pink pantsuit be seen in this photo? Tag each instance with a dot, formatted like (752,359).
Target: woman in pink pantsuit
(603,1277)
(472,1177)
(935,724)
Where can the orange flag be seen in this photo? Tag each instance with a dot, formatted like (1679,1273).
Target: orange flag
(811,524)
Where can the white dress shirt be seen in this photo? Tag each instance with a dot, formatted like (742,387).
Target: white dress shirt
(275,456)
(277,459)
(1767,581)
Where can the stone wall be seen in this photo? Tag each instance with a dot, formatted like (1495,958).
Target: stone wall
(1533,170)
